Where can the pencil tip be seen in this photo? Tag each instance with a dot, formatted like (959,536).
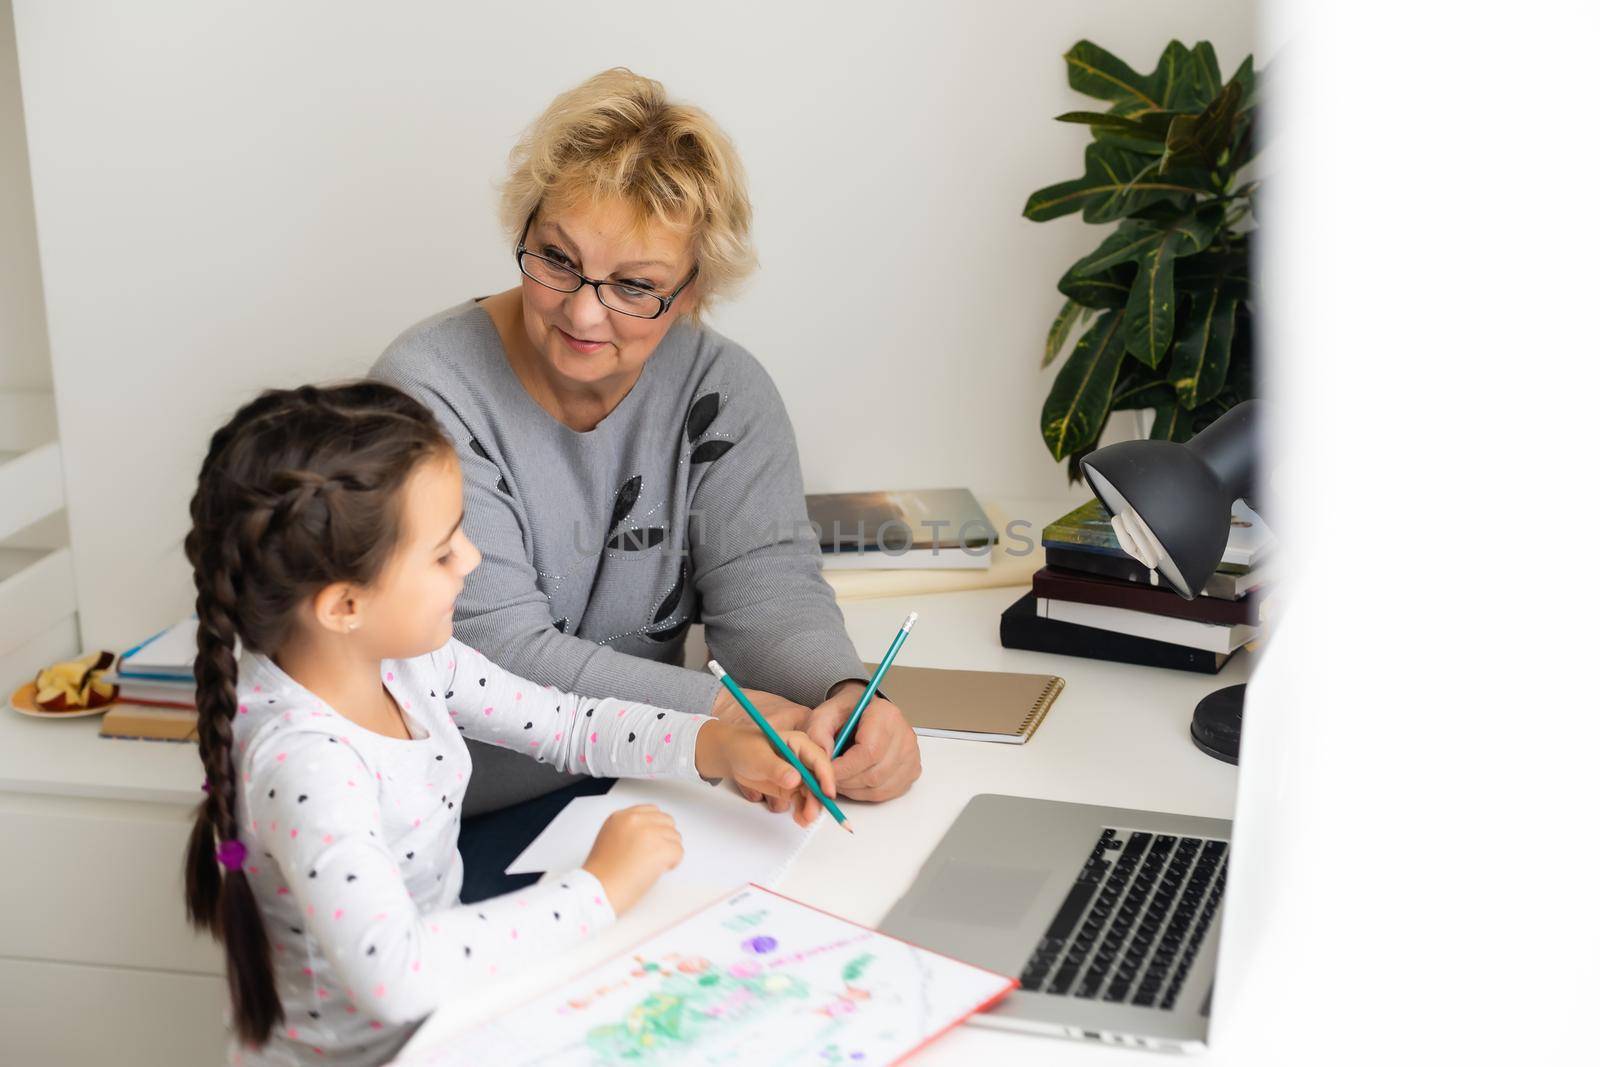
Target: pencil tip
(848,827)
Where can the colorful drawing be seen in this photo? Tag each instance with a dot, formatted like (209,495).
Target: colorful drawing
(756,978)
(680,1010)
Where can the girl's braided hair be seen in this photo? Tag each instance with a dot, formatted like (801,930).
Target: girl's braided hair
(301,489)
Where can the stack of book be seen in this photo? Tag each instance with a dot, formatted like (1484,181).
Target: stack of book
(1092,599)
(155,688)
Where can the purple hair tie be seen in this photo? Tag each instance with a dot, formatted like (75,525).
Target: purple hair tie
(231,853)
(205,787)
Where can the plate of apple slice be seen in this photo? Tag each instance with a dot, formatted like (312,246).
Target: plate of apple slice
(71,689)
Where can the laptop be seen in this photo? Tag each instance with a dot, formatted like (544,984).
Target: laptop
(1108,917)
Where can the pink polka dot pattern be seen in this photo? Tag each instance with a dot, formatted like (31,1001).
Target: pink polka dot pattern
(369,827)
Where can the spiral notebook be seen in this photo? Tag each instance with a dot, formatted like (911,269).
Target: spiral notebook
(727,841)
(971,705)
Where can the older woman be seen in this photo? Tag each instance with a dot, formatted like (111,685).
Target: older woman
(627,469)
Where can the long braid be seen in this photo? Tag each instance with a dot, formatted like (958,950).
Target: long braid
(297,491)
(221,902)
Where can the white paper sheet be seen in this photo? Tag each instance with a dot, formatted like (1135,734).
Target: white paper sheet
(727,841)
(755,978)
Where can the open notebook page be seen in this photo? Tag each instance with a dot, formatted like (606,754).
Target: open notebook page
(727,841)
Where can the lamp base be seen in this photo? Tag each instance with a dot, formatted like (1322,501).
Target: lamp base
(1218,722)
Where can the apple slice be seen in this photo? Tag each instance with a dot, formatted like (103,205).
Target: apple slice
(76,684)
(101,692)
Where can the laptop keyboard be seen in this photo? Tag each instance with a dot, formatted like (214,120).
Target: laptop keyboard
(1133,922)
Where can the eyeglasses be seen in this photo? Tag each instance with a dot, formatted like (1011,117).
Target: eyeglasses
(630,300)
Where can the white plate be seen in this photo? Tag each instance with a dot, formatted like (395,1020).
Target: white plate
(23,701)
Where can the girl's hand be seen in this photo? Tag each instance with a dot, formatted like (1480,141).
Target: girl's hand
(743,753)
(634,848)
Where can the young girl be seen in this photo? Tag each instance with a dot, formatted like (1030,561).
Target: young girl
(327,543)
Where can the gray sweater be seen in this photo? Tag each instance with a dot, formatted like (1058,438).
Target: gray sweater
(600,548)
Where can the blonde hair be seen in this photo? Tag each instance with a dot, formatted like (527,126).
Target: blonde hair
(617,136)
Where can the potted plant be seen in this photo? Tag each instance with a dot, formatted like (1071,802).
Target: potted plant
(1166,297)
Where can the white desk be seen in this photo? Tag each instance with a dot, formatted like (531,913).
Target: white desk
(1118,736)
(92,833)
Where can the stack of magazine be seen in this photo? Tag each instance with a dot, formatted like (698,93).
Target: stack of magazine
(1092,599)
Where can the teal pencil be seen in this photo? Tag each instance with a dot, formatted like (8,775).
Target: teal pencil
(777,743)
(872,686)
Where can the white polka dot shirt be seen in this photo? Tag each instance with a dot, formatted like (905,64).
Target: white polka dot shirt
(352,841)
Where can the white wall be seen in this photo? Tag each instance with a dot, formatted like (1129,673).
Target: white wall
(236,195)
(24,355)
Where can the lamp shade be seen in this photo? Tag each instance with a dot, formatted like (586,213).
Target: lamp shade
(1182,495)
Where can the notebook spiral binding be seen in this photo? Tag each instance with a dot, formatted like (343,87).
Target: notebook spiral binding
(1040,706)
(788,861)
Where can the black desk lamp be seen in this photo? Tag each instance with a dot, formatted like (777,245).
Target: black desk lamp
(1171,506)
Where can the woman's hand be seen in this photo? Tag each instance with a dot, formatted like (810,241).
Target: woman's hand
(634,848)
(743,753)
(883,760)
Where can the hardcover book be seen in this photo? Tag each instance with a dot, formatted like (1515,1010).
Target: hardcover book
(1201,635)
(1022,627)
(1088,528)
(1157,600)
(1229,582)
(908,528)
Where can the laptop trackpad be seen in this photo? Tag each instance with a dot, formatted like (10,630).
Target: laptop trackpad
(981,894)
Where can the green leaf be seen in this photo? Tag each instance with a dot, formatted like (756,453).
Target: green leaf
(1173,423)
(1130,240)
(1246,77)
(1244,146)
(1145,134)
(1067,318)
(1121,123)
(1141,387)
(1115,184)
(1199,140)
(1207,73)
(1093,71)
(1075,411)
(1154,395)
(1109,290)
(1139,146)
(1227,268)
(1173,81)
(1241,369)
(1182,80)
(1152,304)
(1200,355)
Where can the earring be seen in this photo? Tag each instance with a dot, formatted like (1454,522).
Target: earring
(352,627)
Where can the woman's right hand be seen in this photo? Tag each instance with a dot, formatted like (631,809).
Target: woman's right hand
(634,848)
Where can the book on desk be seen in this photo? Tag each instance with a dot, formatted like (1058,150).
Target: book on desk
(906,529)
(155,688)
(1093,600)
